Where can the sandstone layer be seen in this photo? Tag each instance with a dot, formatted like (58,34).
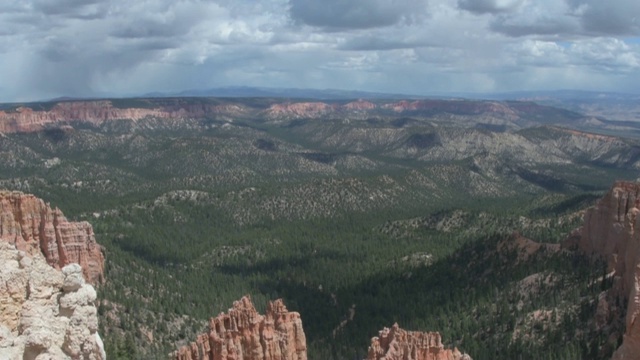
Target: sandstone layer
(34,227)
(45,313)
(397,344)
(609,231)
(243,334)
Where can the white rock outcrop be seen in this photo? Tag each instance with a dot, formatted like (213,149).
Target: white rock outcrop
(45,313)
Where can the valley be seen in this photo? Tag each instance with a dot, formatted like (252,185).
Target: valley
(358,214)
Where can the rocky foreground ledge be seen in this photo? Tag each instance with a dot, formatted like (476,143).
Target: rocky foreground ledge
(45,313)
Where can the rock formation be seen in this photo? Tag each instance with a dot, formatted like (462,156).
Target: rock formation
(45,313)
(397,344)
(243,334)
(609,230)
(25,119)
(300,110)
(34,227)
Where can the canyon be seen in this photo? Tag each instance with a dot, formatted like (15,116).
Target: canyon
(200,201)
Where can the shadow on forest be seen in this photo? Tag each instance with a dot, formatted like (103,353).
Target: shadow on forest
(284,265)
(435,298)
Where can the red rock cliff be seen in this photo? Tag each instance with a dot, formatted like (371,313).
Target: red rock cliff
(243,334)
(32,226)
(612,229)
(397,344)
(24,119)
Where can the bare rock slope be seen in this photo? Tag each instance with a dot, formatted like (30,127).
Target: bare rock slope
(34,227)
(45,313)
(397,344)
(243,334)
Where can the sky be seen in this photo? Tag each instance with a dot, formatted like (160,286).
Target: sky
(52,48)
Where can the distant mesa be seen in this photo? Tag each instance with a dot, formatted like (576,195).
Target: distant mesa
(39,116)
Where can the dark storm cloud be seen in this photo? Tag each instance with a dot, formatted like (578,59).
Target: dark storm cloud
(356,14)
(167,22)
(150,29)
(488,6)
(381,42)
(90,9)
(559,17)
(545,26)
(611,17)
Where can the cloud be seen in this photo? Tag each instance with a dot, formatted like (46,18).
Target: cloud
(489,6)
(356,14)
(607,54)
(603,55)
(541,17)
(376,42)
(83,9)
(562,18)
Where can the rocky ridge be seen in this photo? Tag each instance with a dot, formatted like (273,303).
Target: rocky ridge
(611,230)
(397,344)
(243,334)
(32,226)
(45,313)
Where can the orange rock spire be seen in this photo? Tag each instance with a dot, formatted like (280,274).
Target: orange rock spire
(243,334)
(397,344)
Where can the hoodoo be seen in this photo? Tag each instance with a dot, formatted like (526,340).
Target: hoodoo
(397,344)
(243,334)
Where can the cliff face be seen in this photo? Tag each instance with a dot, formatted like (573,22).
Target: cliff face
(24,119)
(612,229)
(33,227)
(45,313)
(243,334)
(397,344)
